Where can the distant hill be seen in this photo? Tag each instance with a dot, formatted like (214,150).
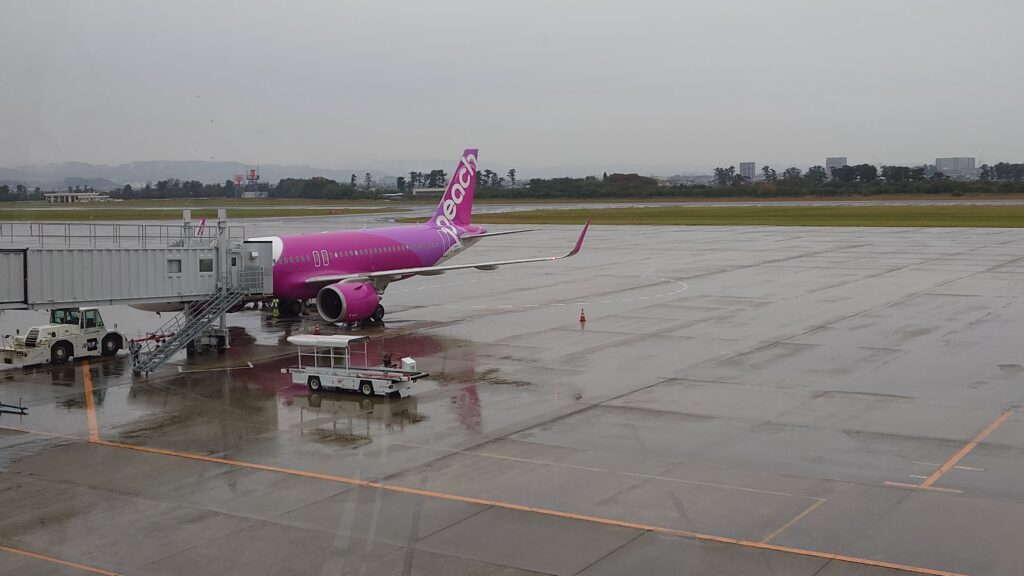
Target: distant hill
(97,183)
(57,176)
(136,173)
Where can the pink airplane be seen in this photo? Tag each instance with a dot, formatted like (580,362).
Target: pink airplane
(348,271)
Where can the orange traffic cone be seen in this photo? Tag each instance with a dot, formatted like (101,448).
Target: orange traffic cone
(583,316)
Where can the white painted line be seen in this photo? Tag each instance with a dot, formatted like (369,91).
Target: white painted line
(918,476)
(926,463)
(971,468)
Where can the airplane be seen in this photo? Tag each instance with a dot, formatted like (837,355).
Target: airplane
(347,271)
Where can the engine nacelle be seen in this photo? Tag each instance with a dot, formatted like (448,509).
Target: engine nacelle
(347,301)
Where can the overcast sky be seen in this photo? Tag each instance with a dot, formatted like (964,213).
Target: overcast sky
(532,83)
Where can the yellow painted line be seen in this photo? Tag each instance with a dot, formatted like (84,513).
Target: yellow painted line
(544,511)
(53,560)
(794,520)
(955,459)
(90,407)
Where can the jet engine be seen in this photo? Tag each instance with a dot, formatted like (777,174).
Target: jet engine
(347,301)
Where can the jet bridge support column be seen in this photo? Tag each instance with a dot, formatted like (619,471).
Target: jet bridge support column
(223,271)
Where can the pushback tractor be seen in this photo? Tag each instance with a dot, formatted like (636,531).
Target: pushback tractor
(71,333)
(326,362)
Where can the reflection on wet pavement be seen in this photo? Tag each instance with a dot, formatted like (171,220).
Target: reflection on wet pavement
(748,383)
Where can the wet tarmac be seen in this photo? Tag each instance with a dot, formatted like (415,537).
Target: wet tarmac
(741,400)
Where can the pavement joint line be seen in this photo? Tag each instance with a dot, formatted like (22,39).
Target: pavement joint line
(793,521)
(220,369)
(535,510)
(41,433)
(954,460)
(96,440)
(919,487)
(593,469)
(53,560)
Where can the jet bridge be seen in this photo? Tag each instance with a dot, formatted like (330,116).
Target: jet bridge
(208,270)
(48,265)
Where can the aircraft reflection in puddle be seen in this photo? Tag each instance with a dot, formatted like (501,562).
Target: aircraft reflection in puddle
(245,401)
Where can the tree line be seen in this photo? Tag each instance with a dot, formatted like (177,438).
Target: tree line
(859,180)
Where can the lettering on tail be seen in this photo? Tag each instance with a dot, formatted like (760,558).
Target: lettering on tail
(462,181)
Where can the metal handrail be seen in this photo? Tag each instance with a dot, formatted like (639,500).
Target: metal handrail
(149,352)
(88,234)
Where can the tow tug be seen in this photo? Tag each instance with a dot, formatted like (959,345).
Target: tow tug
(71,333)
(326,362)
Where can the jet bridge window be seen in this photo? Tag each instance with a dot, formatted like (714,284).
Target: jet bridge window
(206,264)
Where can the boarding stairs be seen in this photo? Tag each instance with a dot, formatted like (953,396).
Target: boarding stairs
(146,354)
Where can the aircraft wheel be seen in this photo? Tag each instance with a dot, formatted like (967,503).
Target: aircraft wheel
(366,387)
(378,314)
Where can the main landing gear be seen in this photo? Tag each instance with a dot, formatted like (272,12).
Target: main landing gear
(289,308)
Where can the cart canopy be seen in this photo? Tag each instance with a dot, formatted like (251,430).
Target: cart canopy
(327,341)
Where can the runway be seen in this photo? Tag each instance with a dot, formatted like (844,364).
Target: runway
(740,400)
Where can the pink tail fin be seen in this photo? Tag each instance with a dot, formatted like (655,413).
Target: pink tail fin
(456,207)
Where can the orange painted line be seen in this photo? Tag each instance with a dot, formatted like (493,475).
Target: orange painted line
(240,464)
(955,459)
(919,487)
(544,511)
(52,560)
(90,406)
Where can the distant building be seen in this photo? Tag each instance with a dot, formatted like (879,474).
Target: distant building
(834,162)
(255,194)
(956,167)
(748,169)
(73,197)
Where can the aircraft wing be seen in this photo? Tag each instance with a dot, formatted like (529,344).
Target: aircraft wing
(389,275)
(502,233)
